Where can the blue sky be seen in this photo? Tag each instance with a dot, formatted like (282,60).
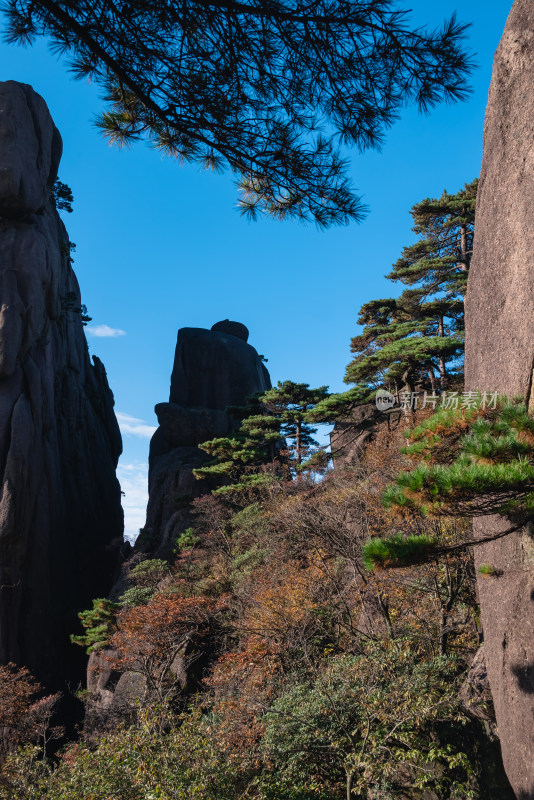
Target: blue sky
(161,246)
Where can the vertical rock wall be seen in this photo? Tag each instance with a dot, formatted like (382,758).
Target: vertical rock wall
(213,369)
(60,512)
(500,357)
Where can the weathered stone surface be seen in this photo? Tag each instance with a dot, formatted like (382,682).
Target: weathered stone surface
(30,152)
(475,693)
(214,370)
(113,695)
(171,487)
(186,427)
(500,357)
(60,513)
(233,328)
(475,696)
(352,435)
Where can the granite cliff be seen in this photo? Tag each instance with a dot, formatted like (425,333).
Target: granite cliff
(213,369)
(500,357)
(60,512)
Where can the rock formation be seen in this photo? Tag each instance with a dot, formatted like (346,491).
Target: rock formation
(500,357)
(213,369)
(60,513)
(352,435)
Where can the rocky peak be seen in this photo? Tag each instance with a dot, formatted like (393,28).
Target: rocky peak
(60,513)
(213,369)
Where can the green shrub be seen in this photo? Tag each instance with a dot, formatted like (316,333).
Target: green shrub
(186,541)
(489,570)
(137,596)
(152,569)
(99,624)
(397,550)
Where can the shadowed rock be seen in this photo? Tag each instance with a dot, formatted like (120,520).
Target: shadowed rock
(30,152)
(213,369)
(500,357)
(351,435)
(60,513)
(233,328)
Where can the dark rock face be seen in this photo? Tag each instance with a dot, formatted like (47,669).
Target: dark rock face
(475,696)
(352,435)
(60,513)
(500,357)
(213,369)
(233,328)
(475,693)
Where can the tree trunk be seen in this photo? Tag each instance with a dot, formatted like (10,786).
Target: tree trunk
(432,380)
(384,608)
(349,785)
(443,633)
(464,256)
(298,447)
(409,388)
(442,366)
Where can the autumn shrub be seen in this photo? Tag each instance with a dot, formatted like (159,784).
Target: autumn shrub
(276,666)
(363,721)
(25,711)
(150,638)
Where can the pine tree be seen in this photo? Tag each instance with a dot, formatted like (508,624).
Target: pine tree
(99,623)
(415,340)
(290,404)
(267,422)
(238,459)
(438,263)
(266,89)
(404,340)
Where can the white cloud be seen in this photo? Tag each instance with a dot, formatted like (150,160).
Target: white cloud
(134,483)
(104,331)
(134,426)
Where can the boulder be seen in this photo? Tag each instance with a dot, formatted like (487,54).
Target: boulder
(352,434)
(60,511)
(233,328)
(500,357)
(215,369)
